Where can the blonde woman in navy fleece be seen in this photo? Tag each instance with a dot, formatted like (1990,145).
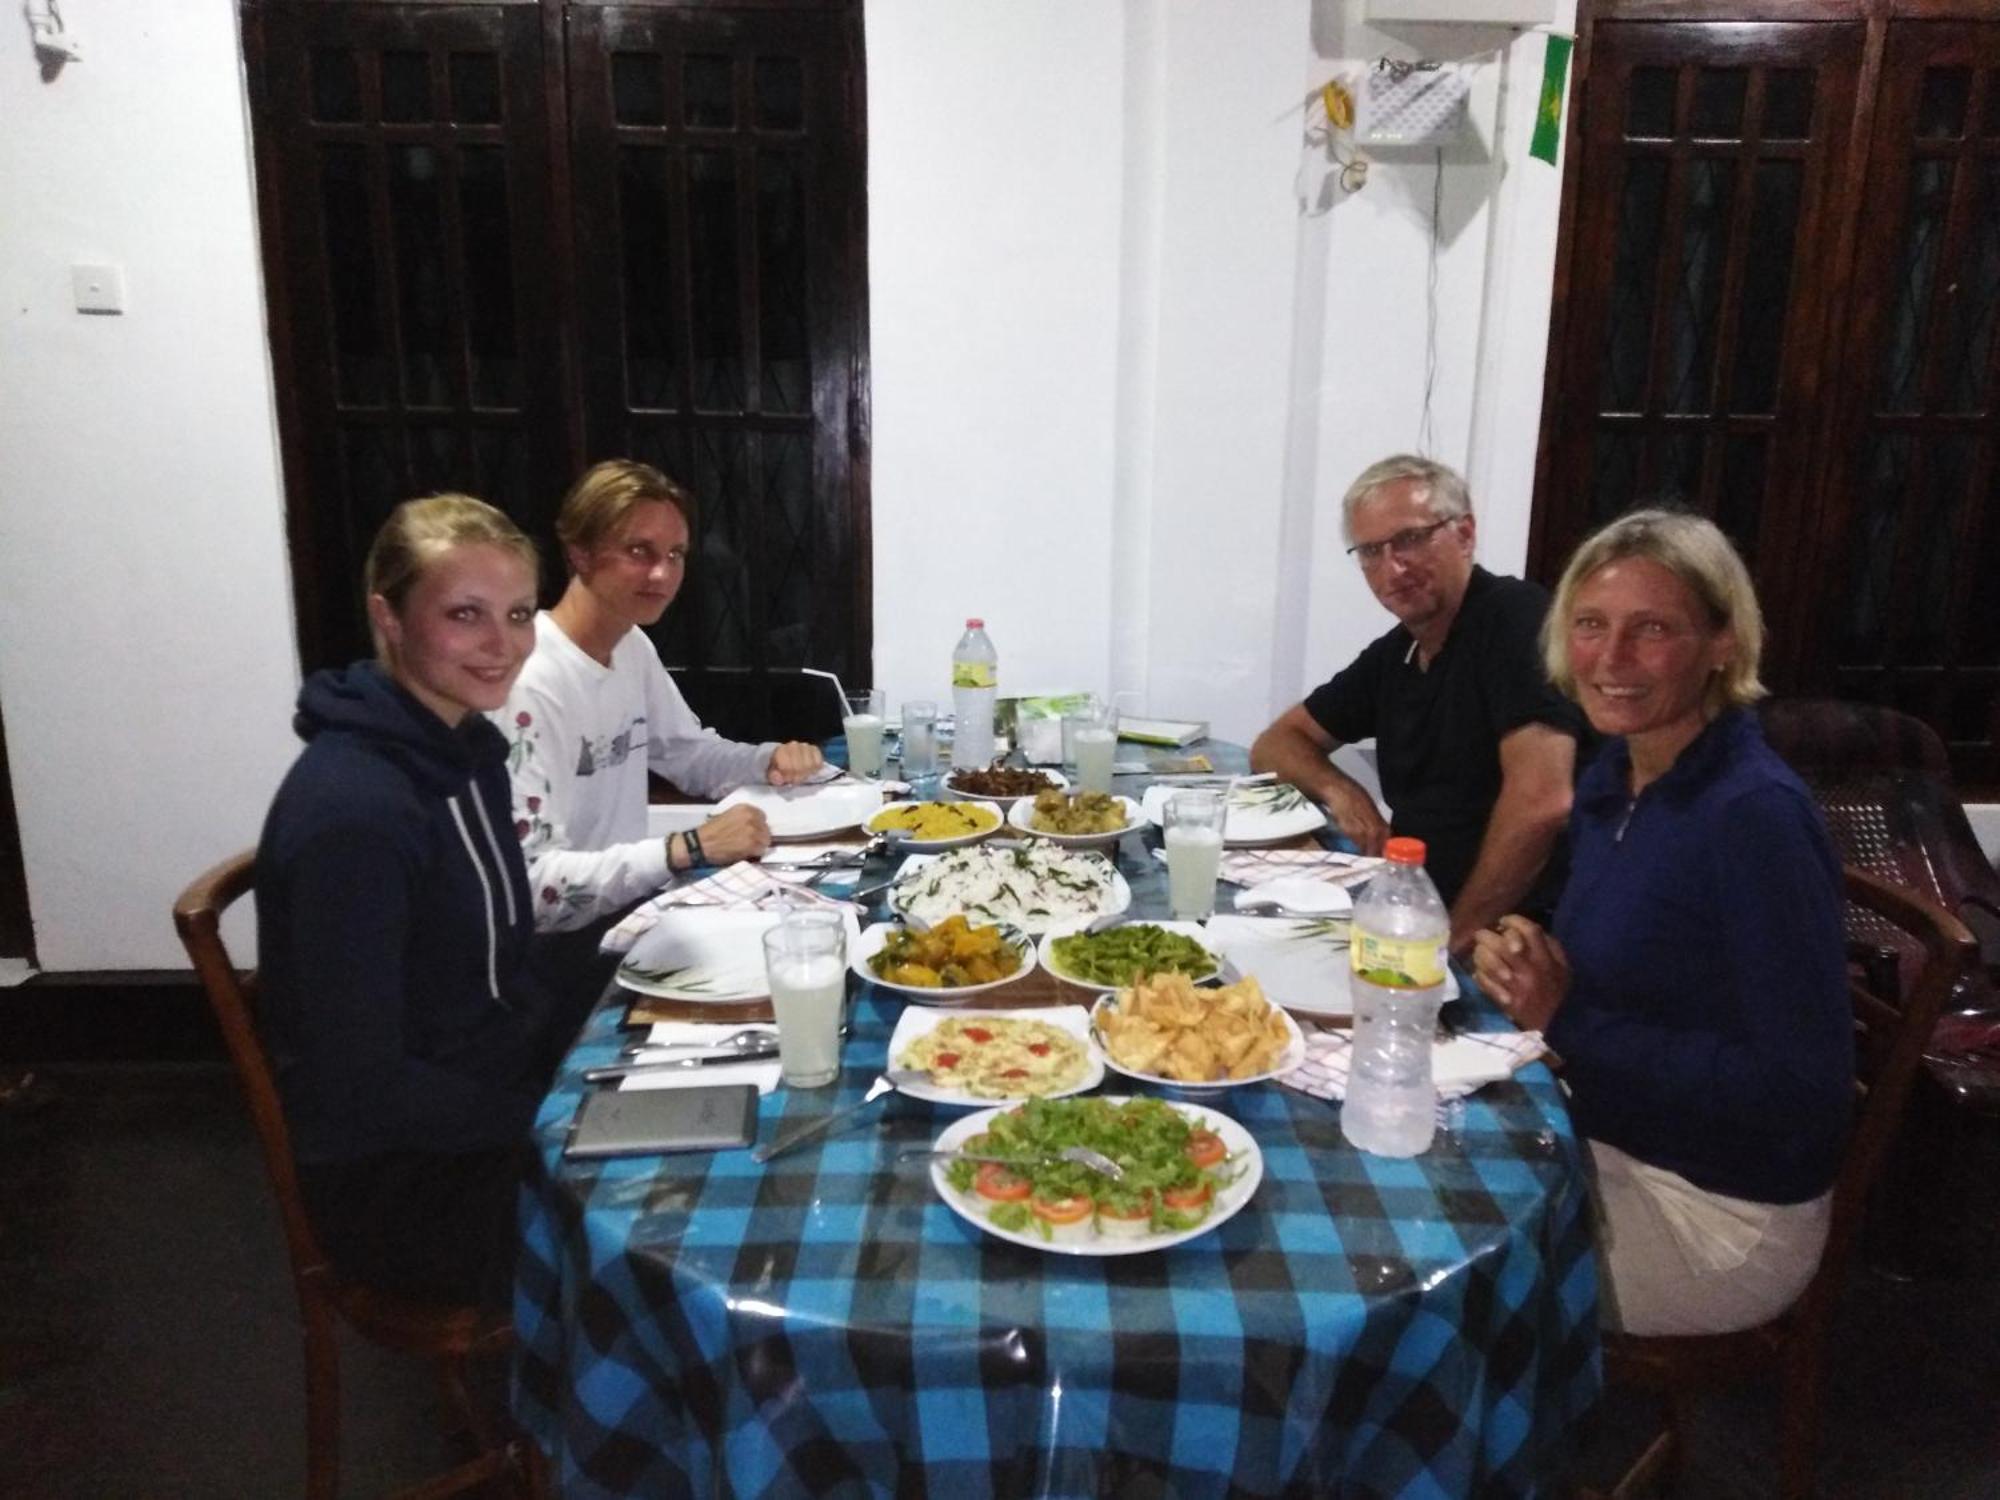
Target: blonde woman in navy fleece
(411,1043)
(1694,983)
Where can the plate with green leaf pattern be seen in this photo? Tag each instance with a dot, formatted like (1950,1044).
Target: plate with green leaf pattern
(703,954)
(1260,812)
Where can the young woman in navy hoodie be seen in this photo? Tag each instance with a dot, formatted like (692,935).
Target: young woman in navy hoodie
(410,1039)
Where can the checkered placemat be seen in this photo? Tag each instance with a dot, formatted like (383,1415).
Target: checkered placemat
(1462,1063)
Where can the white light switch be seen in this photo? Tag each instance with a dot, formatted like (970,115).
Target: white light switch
(99,289)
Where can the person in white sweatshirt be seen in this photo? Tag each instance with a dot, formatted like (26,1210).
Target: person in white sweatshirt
(594,709)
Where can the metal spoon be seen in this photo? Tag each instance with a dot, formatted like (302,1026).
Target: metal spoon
(749,1039)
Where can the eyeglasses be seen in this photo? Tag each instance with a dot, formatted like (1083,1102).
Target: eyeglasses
(1402,544)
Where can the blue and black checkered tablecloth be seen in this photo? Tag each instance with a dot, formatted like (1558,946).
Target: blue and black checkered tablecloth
(700,1325)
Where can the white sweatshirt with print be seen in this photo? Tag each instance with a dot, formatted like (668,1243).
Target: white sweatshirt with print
(580,739)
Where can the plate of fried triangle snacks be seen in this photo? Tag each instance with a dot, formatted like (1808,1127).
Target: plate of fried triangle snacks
(1165,1029)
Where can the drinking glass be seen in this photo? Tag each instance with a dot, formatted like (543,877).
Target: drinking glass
(805,958)
(1092,738)
(1081,716)
(919,738)
(1194,852)
(863,727)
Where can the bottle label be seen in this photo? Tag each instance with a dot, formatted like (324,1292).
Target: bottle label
(974,674)
(1397,963)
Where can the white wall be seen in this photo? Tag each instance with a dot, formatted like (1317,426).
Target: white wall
(147,660)
(994,135)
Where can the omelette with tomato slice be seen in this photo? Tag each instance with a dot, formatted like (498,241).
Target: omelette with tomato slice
(998,1057)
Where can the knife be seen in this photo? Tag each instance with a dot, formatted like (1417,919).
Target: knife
(626,1070)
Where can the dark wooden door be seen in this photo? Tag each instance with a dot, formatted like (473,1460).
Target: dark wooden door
(507,239)
(1911,565)
(407,211)
(715,161)
(1693,329)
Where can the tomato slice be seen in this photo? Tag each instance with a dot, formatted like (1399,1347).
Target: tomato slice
(1140,1208)
(1040,1049)
(1062,1210)
(976,1034)
(1001,1184)
(1015,1073)
(946,1060)
(1204,1148)
(1196,1196)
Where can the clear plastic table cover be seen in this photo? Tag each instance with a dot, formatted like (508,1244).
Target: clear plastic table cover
(698,1324)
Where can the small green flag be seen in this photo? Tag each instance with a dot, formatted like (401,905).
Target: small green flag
(1549,113)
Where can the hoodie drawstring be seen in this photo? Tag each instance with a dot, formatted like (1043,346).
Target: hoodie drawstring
(485,885)
(499,859)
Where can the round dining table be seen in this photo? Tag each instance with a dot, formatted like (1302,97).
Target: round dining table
(699,1324)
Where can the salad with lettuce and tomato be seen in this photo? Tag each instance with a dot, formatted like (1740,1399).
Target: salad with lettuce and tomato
(1175,1167)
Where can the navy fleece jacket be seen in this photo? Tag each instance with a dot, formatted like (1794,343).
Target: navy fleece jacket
(393,926)
(1707,1028)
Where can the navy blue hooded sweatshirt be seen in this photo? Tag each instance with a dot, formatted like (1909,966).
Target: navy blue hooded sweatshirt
(393,930)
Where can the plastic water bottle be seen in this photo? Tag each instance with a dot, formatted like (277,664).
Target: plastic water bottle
(1401,929)
(975,683)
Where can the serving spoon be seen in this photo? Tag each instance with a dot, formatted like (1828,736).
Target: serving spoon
(1083,1156)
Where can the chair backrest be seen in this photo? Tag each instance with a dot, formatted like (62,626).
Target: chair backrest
(1883,784)
(777,703)
(1891,1026)
(232,996)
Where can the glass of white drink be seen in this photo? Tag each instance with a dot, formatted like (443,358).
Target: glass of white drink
(1194,852)
(1090,745)
(863,728)
(805,957)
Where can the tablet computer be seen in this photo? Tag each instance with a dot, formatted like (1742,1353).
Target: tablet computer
(615,1122)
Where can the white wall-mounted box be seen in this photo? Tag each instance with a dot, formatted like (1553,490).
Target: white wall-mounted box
(1476,12)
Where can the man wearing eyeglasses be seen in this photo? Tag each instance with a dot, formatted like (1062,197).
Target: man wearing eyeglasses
(1477,752)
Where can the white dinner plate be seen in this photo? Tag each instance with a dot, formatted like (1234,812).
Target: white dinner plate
(1047,951)
(1260,812)
(933,846)
(1115,898)
(1229,1201)
(1024,809)
(702,954)
(1302,962)
(1290,1058)
(809,812)
(951,785)
(872,939)
(1300,895)
(916,1022)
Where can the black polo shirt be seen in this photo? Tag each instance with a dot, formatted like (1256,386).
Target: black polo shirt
(1437,731)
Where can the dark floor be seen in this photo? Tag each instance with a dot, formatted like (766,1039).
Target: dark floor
(147,1344)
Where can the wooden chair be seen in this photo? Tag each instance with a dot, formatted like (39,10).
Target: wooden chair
(447,1336)
(1890,1032)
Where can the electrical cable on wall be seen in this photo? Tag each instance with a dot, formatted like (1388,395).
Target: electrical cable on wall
(1431,308)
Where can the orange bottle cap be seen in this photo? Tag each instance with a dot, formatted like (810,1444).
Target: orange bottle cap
(1404,851)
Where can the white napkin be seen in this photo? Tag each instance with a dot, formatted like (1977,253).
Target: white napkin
(1465,1063)
(763,1072)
